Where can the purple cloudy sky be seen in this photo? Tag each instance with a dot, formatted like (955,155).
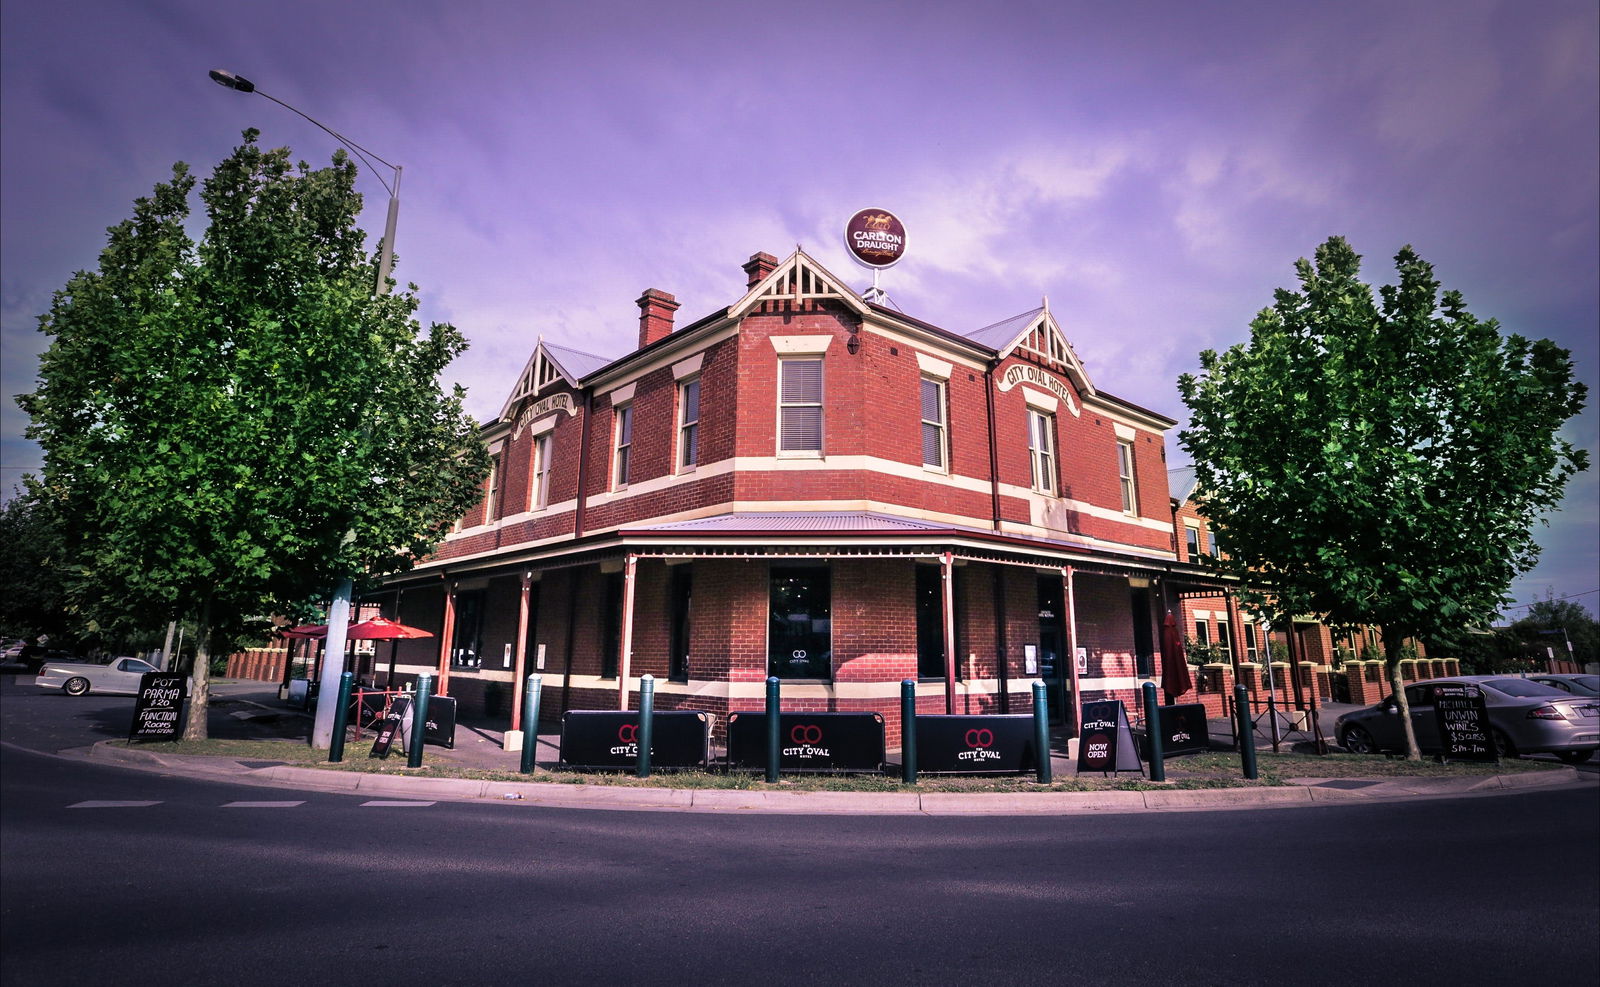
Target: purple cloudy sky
(1155,168)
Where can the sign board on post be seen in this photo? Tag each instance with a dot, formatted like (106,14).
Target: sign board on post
(1464,732)
(1105,741)
(158,710)
(1184,729)
(976,744)
(875,238)
(680,738)
(811,741)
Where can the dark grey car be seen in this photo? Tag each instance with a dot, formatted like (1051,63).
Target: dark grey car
(1527,718)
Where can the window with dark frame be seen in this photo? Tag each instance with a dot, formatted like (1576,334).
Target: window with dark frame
(1144,642)
(1202,632)
(689,423)
(800,622)
(800,405)
(1192,533)
(466,642)
(680,593)
(624,449)
(611,615)
(1224,639)
(933,423)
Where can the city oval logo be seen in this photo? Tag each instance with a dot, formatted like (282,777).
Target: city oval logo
(806,739)
(980,738)
(628,733)
(875,237)
(980,743)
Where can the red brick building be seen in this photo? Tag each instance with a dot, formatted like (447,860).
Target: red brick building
(809,485)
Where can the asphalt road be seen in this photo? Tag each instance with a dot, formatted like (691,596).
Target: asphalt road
(313,888)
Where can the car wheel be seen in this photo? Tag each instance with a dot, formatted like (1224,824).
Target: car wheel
(1503,747)
(1574,757)
(1357,741)
(76,686)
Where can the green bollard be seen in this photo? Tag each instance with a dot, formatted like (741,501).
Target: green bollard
(1152,729)
(1041,730)
(419,722)
(908,731)
(341,719)
(773,746)
(647,716)
(530,723)
(1242,731)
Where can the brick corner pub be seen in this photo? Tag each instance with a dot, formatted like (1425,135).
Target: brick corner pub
(813,486)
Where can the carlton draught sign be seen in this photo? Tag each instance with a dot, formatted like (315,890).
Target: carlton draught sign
(875,237)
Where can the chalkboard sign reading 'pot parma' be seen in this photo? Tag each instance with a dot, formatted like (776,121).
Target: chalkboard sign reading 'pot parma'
(809,741)
(1464,732)
(158,710)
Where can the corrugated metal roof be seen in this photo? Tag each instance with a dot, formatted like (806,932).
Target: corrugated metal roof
(998,335)
(1181,482)
(576,362)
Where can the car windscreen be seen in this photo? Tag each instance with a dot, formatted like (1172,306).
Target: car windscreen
(1524,688)
(1590,682)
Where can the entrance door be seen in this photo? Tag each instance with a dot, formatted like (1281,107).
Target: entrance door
(1053,658)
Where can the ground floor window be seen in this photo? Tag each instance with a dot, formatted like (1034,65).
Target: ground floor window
(611,616)
(1144,644)
(679,592)
(800,622)
(930,619)
(466,642)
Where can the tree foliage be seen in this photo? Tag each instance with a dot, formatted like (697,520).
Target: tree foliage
(1381,459)
(33,594)
(236,423)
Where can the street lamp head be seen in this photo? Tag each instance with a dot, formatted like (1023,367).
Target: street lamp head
(224,78)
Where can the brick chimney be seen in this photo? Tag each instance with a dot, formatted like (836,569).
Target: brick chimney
(655,315)
(758,267)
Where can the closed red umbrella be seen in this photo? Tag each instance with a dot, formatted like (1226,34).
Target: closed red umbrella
(1175,680)
(309,630)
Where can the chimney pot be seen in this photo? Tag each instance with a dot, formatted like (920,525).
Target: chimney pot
(758,267)
(655,316)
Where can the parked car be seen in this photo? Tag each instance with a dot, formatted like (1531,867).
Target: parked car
(34,656)
(1577,685)
(117,676)
(1526,717)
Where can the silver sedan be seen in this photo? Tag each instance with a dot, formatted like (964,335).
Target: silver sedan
(1526,717)
(118,676)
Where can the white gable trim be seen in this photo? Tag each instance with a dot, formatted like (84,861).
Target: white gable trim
(798,279)
(539,372)
(1043,339)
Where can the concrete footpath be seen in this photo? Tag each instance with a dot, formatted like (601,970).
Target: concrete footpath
(253,709)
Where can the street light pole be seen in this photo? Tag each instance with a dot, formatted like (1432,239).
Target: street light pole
(339,611)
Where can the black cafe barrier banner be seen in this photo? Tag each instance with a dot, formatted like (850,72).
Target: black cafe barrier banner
(1105,742)
(1464,732)
(441,726)
(808,741)
(1183,729)
(158,709)
(976,744)
(680,738)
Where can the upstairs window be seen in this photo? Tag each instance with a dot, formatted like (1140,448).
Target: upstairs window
(1202,632)
(1042,450)
(624,450)
(1250,650)
(800,406)
(1130,497)
(1192,531)
(933,425)
(491,499)
(539,492)
(1224,638)
(689,423)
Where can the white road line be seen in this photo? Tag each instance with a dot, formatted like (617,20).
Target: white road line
(393,805)
(111,805)
(262,805)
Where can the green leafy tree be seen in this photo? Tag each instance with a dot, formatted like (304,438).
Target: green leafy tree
(1552,623)
(238,423)
(1380,460)
(33,586)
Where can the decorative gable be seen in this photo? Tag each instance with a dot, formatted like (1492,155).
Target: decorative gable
(541,371)
(798,280)
(1041,339)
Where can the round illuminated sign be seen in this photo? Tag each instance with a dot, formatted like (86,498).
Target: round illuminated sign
(875,237)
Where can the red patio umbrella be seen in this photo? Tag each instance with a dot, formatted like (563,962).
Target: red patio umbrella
(1175,680)
(384,629)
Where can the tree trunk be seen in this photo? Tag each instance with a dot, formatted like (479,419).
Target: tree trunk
(1393,639)
(200,677)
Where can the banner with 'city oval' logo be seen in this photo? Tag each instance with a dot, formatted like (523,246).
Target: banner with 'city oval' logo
(875,237)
